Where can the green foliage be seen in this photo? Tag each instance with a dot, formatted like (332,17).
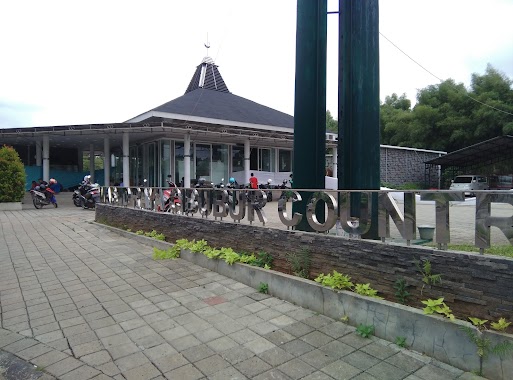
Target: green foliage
(262,259)
(365,331)
(501,325)
(170,253)
(446,118)
(263,288)
(484,346)
(229,255)
(155,235)
(12,175)
(184,243)
(128,230)
(479,323)
(366,290)
(400,341)
(198,246)
(139,232)
(438,306)
(331,123)
(428,277)
(247,259)
(335,280)
(401,290)
(212,253)
(300,262)
(267,266)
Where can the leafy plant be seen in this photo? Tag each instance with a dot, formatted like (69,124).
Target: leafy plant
(139,232)
(438,306)
(263,258)
(400,341)
(479,323)
(199,246)
(335,280)
(401,291)
(12,175)
(170,253)
(365,331)
(344,318)
(263,288)
(300,262)
(155,235)
(229,255)
(247,259)
(128,230)
(366,290)
(428,277)
(501,325)
(212,253)
(267,266)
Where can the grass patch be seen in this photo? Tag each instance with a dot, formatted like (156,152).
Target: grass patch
(498,250)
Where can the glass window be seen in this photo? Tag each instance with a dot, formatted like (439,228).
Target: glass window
(285,160)
(253,159)
(265,160)
(238,158)
(219,163)
(165,164)
(202,158)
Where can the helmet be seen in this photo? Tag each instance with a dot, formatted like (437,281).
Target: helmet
(87,178)
(269,181)
(201,181)
(232,180)
(52,181)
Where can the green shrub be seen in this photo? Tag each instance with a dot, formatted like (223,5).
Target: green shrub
(12,175)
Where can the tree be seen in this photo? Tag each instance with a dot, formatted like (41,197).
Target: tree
(12,175)
(448,116)
(331,123)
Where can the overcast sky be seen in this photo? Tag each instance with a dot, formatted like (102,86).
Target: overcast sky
(69,62)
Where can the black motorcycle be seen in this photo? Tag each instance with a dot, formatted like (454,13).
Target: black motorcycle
(87,195)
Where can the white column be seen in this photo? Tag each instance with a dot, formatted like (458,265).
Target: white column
(247,154)
(91,162)
(126,162)
(106,161)
(46,158)
(186,161)
(335,162)
(39,159)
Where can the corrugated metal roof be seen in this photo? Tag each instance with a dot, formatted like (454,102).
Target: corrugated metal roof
(489,150)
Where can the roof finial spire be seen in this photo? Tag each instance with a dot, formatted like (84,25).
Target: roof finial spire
(207,44)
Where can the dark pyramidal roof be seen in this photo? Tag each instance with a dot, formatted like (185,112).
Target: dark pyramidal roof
(208,96)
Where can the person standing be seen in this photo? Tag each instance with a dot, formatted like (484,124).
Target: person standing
(253,182)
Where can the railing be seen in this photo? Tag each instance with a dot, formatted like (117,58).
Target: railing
(347,213)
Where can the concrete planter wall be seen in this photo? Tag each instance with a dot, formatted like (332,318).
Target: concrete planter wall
(10,206)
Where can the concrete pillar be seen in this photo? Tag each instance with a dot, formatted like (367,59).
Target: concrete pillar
(39,159)
(46,158)
(186,161)
(335,162)
(126,162)
(247,155)
(106,161)
(91,163)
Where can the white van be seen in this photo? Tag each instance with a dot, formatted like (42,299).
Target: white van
(468,183)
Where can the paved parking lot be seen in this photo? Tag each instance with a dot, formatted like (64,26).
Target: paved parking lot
(81,302)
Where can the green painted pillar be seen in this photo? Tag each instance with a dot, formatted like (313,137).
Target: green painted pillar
(358,112)
(310,101)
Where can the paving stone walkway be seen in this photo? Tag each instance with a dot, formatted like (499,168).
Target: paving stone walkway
(80,302)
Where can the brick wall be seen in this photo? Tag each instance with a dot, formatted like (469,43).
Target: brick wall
(472,285)
(400,166)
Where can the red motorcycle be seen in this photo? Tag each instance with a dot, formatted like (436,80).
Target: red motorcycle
(171,198)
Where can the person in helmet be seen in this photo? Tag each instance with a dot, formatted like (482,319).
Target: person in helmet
(233,183)
(87,180)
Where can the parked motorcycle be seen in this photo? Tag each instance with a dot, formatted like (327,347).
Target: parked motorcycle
(42,195)
(171,197)
(267,187)
(87,195)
